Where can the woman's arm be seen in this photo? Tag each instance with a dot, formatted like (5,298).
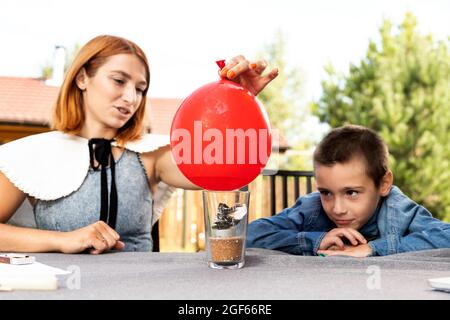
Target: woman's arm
(10,198)
(166,170)
(97,237)
(15,238)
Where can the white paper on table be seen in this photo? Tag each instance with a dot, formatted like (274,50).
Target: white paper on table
(30,269)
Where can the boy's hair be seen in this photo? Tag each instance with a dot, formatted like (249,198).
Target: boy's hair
(68,115)
(343,143)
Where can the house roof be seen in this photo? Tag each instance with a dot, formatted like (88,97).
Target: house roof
(30,101)
(26,100)
(161,112)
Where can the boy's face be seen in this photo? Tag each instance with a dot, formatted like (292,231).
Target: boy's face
(349,196)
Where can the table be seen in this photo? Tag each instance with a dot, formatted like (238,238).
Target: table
(267,275)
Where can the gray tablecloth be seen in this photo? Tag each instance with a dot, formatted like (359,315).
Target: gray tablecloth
(267,275)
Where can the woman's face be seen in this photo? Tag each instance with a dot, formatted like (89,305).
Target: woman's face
(114,93)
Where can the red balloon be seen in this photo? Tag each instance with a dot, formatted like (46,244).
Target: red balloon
(220,136)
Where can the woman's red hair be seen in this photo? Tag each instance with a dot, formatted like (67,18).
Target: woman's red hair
(68,115)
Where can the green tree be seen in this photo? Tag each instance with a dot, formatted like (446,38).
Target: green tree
(401,89)
(284,102)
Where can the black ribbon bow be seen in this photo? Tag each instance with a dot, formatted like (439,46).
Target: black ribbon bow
(100,150)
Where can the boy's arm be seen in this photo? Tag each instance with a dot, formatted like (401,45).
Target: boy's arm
(424,232)
(284,232)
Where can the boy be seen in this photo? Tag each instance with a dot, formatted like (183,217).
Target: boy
(356,211)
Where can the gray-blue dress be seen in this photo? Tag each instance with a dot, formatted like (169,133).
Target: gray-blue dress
(82,207)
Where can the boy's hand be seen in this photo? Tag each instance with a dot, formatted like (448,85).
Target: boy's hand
(360,251)
(334,238)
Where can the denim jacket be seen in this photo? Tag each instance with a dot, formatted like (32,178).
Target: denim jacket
(397,225)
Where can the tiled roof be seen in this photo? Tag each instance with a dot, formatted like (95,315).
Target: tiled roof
(161,113)
(26,100)
(30,101)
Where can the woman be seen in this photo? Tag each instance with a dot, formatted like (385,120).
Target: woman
(98,141)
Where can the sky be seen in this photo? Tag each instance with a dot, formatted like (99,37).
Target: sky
(182,39)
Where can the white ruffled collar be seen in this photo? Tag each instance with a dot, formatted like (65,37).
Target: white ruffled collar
(52,165)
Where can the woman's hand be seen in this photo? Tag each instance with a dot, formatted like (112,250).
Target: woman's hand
(97,238)
(334,238)
(248,74)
